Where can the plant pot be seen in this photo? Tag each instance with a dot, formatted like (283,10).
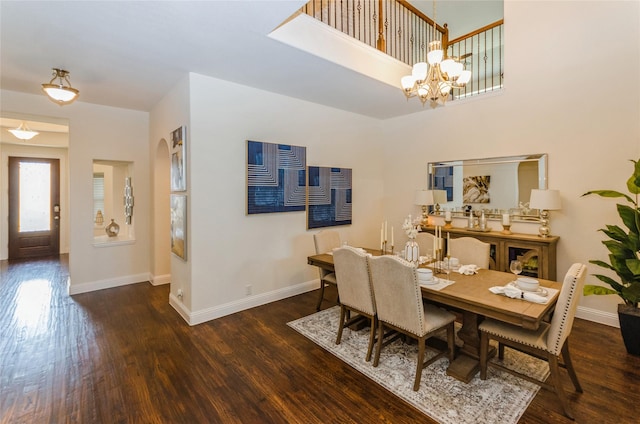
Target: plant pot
(630,327)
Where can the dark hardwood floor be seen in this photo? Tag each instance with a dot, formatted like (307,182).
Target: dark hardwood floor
(123,355)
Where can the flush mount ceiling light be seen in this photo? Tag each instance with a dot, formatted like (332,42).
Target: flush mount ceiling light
(433,80)
(23,132)
(60,92)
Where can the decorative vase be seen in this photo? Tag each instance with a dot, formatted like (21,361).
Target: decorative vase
(112,229)
(412,251)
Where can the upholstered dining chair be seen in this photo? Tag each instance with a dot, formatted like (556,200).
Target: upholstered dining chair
(355,291)
(400,308)
(470,250)
(425,243)
(549,341)
(325,241)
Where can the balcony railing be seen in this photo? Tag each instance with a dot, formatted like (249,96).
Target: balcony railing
(398,29)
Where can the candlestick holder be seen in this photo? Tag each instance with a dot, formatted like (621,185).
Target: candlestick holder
(383,248)
(506,229)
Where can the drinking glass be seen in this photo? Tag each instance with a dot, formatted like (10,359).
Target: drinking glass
(515,267)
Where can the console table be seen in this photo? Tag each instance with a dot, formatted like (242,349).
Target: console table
(537,254)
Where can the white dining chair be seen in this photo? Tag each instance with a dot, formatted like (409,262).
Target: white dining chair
(399,306)
(325,241)
(355,291)
(470,250)
(549,342)
(425,243)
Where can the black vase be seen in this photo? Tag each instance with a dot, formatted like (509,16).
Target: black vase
(630,327)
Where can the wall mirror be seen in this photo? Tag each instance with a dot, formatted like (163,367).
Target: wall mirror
(495,185)
(110,182)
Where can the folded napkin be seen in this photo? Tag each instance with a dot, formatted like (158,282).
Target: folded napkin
(468,269)
(516,293)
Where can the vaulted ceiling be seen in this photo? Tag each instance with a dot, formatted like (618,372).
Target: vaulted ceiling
(128,54)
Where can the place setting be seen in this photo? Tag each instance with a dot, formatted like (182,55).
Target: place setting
(525,288)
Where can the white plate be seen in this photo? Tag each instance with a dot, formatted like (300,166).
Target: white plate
(539,291)
(428,282)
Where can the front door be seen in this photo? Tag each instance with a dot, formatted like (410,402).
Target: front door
(34,207)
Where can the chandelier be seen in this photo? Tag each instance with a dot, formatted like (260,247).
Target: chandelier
(59,92)
(23,132)
(433,80)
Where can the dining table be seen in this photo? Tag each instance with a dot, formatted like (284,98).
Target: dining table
(470,297)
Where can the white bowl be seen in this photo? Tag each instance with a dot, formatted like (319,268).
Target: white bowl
(528,284)
(424,274)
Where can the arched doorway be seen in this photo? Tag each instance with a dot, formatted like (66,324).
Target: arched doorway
(160,236)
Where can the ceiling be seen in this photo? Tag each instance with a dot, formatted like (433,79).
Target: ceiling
(129,54)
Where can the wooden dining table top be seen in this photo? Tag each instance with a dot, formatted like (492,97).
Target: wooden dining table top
(471,293)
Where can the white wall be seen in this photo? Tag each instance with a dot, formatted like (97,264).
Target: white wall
(560,98)
(170,113)
(229,249)
(98,132)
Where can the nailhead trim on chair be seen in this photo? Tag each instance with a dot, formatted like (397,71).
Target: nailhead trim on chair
(563,324)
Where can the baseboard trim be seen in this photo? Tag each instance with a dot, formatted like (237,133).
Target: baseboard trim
(158,280)
(204,315)
(595,315)
(108,283)
(182,310)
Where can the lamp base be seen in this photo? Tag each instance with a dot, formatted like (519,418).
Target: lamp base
(447,224)
(506,229)
(544,230)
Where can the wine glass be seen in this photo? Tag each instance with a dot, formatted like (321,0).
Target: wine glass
(515,267)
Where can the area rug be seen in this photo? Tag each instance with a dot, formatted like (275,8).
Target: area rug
(501,398)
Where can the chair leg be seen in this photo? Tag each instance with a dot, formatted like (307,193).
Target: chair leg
(500,351)
(321,296)
(420,363)
(484,349)
(376,359)
(557,384)
(569,365)
(372,336)
(341,323)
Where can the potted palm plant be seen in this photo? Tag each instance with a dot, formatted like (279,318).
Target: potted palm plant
(624,260)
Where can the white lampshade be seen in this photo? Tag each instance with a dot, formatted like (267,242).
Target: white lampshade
(456,70)
(407,82)
(424,197)
(435,54)
(419,71)
(440,196)
(465,77)
(447,65)
(545,199)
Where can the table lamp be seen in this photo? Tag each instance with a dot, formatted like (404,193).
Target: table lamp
(439,197)
(545,201)
(424,198)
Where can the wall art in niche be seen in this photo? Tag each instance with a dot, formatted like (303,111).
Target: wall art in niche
(329,198)
(178,159)
(276,177)
(443,180)
(179,225)
(476,189)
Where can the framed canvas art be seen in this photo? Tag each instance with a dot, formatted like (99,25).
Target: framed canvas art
(476,189)
(178,159)
(329,197)
(276,177)
(179,225)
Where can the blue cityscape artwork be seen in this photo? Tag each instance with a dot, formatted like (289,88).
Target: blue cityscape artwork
(329,197)
(276,177)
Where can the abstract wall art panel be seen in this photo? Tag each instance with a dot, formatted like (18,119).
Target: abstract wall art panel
(179,225)
(276,177)
(476,189)
(329,197)
(443,180)
(178,159)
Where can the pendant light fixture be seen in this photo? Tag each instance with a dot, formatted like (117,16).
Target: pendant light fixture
(23,132)
(61,91)
(433,80)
